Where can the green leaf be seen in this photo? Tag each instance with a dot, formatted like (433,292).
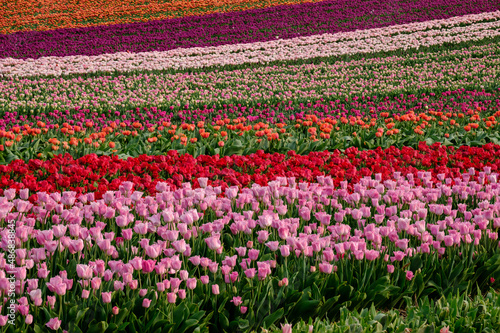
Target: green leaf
(152,320)
(160,323)
(80,315)
(223,320)
(416,263)
(179,313)
(72,313)
(123,326)
(100,327)
(273,317)
(243,324)
(111,328)
(73,328)
(186,325)
(327,306)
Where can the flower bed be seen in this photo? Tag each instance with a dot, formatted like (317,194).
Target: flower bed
(246,258)
(460,29)
(57,15)
(249,26)
(436,71)
(314,167)
(100,174)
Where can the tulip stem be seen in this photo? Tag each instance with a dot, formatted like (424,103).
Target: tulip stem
(60,306)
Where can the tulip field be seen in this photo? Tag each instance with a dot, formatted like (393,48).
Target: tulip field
(250,166)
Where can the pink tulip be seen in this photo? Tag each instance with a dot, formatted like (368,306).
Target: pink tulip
(325,268)
(371,254)
(127,234)
(213,242)
(57,285)
(236,300)
(204,279)
(148,265)
(145,303)
(106,297)
(54,324)
(273,246)
(51,301)
(118,285)
(191,283)
(285,250)
(283,282)
(153,251)
(287,328)
(171,297)
(253,254)
(215,289)
(250,273)
(95,283)
(305,213)
(29,319)
(84,271)
(36,297)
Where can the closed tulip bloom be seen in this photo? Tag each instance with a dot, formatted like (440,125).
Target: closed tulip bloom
(36,297)
(29,319)
(171,297)
(146,303)
(215,289)
(285,250)
(127,234)
(305,213)
(283,282)
(287,328)
(51,301)
(133,284)
(250,273)
(95,283)
(106,297)
(191,283)
(148,265)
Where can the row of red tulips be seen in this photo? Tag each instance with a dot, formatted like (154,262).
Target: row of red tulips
(99,174)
